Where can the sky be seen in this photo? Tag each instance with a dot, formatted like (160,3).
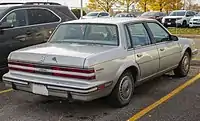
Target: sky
(70,3)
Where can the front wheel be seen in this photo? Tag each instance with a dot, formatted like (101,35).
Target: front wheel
(184,24)
(184,66)
(123,91)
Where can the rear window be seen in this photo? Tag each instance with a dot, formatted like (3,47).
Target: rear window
(104,34)
(40,16)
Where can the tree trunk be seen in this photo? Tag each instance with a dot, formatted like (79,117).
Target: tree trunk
(127,8)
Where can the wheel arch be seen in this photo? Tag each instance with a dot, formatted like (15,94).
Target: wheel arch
(133,67)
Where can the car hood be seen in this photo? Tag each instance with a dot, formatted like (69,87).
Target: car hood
(58,53)
(87,17)
(167,17)
(196,17)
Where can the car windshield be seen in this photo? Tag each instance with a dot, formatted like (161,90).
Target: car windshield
(104,34)
(177,13)
(92,14)
(149,14)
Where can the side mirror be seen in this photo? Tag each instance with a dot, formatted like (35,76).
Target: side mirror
(6,25)
(173,38)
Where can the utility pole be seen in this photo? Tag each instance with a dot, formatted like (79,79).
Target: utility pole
(184,5)
(81,8)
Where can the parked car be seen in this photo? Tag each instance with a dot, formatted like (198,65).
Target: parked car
(195,21)
(26,24)
(154,15)
(125,15)
(93,58)
(178,18)
(96,15)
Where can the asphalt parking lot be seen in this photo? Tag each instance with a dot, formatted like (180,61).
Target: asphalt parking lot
(184,105)
(22,106)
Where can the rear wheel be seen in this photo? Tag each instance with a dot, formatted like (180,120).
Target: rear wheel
(123,91)
(184,66)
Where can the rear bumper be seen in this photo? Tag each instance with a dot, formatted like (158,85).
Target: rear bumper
(75,91)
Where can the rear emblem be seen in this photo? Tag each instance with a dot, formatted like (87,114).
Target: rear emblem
(54,59)
(42,60)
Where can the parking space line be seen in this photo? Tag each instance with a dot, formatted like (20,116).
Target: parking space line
(164,99)
(5,91)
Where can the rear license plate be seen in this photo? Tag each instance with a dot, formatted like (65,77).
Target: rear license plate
(39,89)
(169,23)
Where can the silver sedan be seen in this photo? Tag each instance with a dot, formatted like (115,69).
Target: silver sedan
(93,58)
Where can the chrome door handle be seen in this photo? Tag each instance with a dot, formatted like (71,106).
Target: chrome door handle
(139,55)
(162,49)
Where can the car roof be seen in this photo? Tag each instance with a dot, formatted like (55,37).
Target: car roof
(180,11)
(29,4)
(111,20)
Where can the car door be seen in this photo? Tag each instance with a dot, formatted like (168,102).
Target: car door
(145,53)
(169,51)
(42,22)
(12,38)
(189,15)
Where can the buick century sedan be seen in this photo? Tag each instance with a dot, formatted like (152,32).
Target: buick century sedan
(92,58)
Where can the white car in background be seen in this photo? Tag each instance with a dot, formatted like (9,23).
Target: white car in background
(96,15)
(195,21)
(178,18)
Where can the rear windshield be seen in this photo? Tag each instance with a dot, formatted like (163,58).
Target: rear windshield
(104,34)
(178,13)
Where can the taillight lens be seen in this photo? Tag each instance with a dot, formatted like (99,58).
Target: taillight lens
(77,73)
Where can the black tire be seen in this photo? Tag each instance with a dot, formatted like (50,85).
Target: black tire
(184,66)
(184,24)
(117,99)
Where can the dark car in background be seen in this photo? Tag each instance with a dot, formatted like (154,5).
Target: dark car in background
(125,15)
(26,24)
(154,15)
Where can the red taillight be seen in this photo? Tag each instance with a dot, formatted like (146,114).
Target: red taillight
(20,69)
(76,70)
(86,74)
(87,71)
(21,64)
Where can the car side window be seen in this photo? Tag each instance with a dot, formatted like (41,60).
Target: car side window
(139,35)
(159,34)
(103,14)
(41,16)
(128,39)
(16,18)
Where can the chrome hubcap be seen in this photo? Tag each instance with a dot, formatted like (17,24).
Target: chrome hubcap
(126,88)
(186,63)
